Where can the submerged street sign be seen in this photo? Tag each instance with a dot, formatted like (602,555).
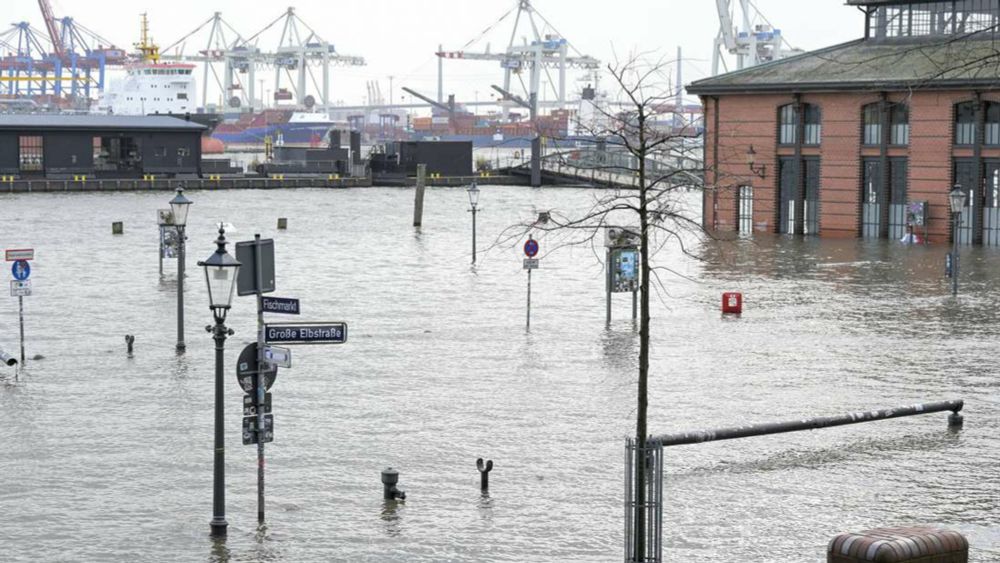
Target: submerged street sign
(20,288)
(531,263)
(278,356)
(281,305)
(246,278)
(306,333)
(252,435)
(14,254)
(246,369)
(21,270)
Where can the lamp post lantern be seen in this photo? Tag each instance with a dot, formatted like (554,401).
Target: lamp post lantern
(473,190)
(179,207)
(957,200)
(221,270)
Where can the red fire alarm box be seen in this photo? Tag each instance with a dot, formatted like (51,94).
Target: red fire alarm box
(732,303)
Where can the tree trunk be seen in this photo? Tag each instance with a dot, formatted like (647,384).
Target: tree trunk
(642,399)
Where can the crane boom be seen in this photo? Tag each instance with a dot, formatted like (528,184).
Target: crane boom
(726,23)
(50,24)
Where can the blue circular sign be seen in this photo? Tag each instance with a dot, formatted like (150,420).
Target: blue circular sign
(21,270)
(531,248)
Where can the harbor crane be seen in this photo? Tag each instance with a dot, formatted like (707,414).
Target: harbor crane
(539,55)
(753,43)
(298,51)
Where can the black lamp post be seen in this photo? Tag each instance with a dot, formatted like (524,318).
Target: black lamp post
(761,170)
(473,190)
(179,207)
(220,273)
(957,200)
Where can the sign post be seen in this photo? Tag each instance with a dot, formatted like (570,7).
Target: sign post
(20,286)
(530,263)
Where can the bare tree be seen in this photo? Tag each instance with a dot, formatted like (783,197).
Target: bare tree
(649,158)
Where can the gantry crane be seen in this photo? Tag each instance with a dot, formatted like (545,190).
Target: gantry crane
(752,43)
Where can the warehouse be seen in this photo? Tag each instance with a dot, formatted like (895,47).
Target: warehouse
(98,146)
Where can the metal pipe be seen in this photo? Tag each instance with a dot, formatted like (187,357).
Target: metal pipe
(954,253)
(698,436)
(219,524)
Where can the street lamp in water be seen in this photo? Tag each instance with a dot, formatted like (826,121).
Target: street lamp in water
(220,274)
(957,200)
(473,190)
(179,207)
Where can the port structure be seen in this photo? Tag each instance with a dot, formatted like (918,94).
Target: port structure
(68,61)
(297,53)
(541,54)
(753,43)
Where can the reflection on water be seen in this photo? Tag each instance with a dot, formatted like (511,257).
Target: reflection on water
(109,458)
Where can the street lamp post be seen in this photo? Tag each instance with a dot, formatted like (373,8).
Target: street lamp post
(473,190)
(220,274)
(957,200)
(179,207)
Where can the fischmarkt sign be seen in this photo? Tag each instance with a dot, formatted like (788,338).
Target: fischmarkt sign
(306,333)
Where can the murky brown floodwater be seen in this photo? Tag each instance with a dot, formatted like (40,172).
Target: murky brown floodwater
(107,458)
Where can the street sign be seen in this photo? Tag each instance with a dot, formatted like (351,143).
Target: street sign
(281,305)
(278,356)
(246,369)
(306,333)
(20,254)
(250,409)
(20,288)
(21,270)
(246,281)
(531,248)
(250,433)
(531,263)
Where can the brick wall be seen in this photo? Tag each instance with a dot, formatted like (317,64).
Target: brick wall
(752,119)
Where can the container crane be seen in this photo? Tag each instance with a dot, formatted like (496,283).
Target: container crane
(752,44)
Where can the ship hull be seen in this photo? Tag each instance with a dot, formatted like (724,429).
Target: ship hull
(290,133)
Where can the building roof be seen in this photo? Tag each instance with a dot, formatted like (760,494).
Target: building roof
(926,63)
(62,122)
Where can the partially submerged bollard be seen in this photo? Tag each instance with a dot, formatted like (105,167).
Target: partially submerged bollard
(922,544)
(389,479)
(117,228)
(484,473)
(129,340)
(282,223)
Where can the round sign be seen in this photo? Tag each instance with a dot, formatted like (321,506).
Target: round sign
(246,368)
(531,248)
(21,270)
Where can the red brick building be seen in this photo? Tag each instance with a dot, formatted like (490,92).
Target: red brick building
(844,140)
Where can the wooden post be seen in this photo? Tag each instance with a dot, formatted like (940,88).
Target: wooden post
(418,201)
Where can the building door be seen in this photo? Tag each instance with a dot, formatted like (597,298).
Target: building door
(788,195)
(811,203)
(965,175)
(897,198)
(744,216)
(991,206)
(871,195)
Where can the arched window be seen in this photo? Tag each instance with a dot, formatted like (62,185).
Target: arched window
(871,116)
(965,123)
(899,124)
(813,124)
(786,125)
(992,123)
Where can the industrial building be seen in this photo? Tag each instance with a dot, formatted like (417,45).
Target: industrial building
(66,146)
(866,138)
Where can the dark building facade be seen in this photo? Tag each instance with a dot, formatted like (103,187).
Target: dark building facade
(856,139)
(98,146)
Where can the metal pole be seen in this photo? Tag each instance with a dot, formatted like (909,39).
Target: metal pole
(473,234)
(161,251)
(607,286)
(219,523)
(20,310)
(954,256)
(418,198)
(635,294)
(529,300)
(180,289)
(259,386)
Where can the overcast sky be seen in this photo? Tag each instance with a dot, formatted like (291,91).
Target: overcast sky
(399,37)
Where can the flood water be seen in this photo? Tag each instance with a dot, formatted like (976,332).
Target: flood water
(109,458)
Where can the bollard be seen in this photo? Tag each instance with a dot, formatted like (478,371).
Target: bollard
(282,223)
(117,228)
(732,303)
(484,473)
(129,340)
(389,479)
(922,544)
(955,420)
